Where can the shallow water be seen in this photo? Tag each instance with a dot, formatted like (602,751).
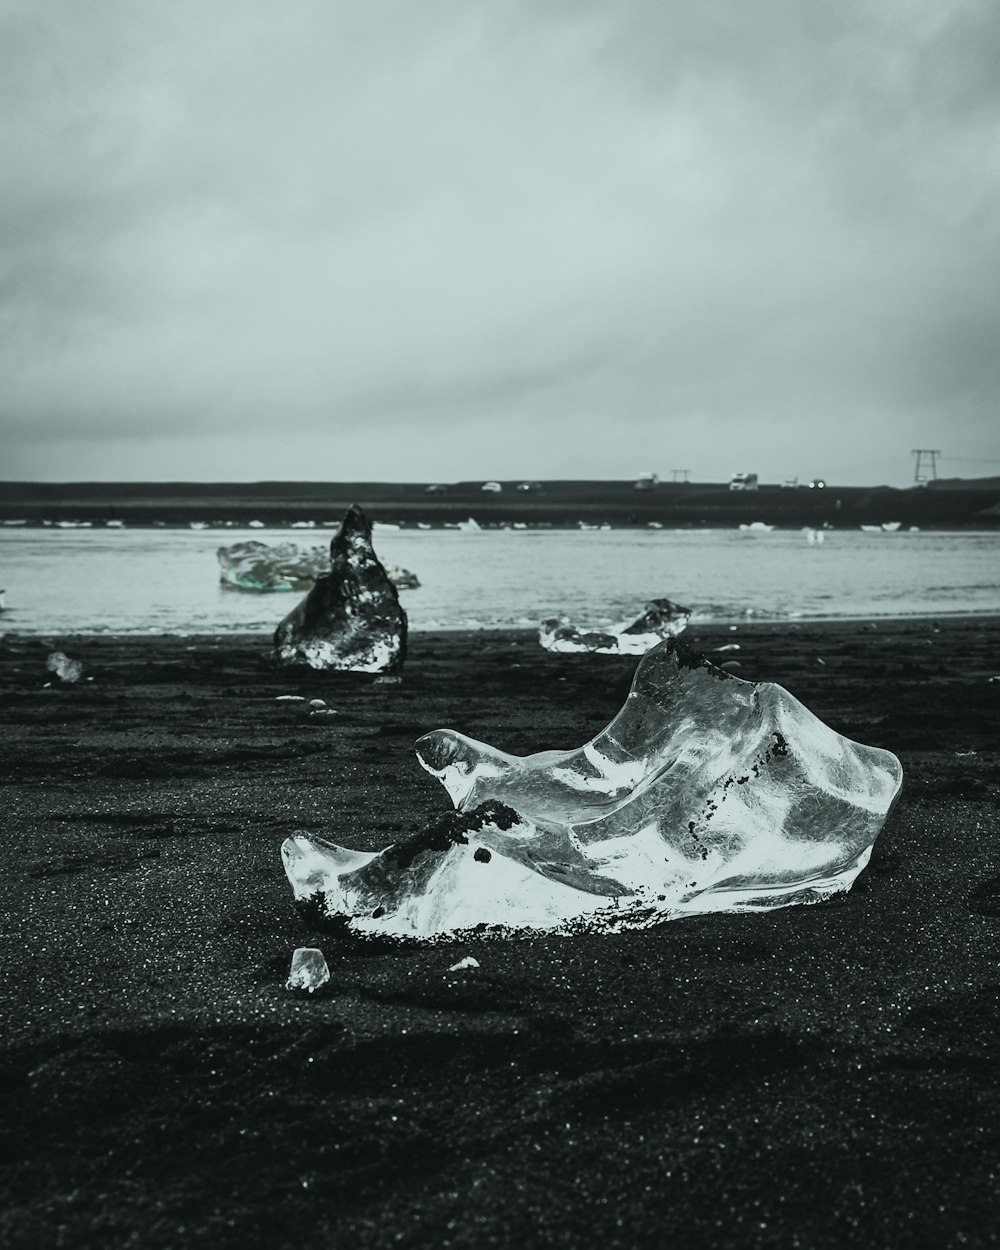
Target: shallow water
(167,580)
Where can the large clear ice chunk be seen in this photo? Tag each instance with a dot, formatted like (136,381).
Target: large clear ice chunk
(705,793)
(659,619)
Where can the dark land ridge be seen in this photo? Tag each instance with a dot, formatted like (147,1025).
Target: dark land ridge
(945,504)
(825,1076)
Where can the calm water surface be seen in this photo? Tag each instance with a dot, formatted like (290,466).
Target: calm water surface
(163,580)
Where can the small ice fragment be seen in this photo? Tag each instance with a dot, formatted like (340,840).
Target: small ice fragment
(317,702)
(386,680)
(660,619)
(467,962)
(289,698)
(324,711)
(309,970)
(63,667)
(729,646)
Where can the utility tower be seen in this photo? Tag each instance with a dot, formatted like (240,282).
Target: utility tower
(931,455)
(679,475)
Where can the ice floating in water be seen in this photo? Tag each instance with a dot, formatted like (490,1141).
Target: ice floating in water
(705,793)
(266,567)
(63,667)
(309,970)
(659,619)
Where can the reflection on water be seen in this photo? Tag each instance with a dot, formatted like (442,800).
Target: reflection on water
(161,580)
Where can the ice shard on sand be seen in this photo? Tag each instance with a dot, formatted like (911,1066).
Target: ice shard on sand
(705,793)
(659,619)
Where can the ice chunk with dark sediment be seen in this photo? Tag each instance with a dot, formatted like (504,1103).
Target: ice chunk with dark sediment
(705,793)
(660,619)
(309,970)
(352,618)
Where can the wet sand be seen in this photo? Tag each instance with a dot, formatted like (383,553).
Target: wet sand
(822,1076)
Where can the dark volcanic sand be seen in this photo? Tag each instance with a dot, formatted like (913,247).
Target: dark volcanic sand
(822,1076)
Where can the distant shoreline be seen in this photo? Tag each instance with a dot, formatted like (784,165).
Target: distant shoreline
(973,504)
(705,630)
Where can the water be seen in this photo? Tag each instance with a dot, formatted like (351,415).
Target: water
(163,580)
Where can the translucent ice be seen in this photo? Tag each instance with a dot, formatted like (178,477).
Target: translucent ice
(659,619)
(309,970)
(352,618)
(63,667)
(266,567)
(705,793)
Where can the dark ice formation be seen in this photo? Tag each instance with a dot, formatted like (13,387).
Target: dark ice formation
(705,793)
(351,619)
(266,567)
(660,619)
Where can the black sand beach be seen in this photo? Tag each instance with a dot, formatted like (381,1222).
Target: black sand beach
(825,1076)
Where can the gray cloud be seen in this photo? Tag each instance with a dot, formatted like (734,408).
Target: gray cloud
(456,240)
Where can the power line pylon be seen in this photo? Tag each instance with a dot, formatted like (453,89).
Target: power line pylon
(931,455)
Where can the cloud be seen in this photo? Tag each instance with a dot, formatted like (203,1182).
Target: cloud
(459,240)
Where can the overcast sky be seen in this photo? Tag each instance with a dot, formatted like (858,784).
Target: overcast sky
(443,239)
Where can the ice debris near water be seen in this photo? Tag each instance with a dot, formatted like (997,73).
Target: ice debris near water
(352,618)
(266,567)
(263,567)
(660,619)
(309,970)
(705,793)
(64,668)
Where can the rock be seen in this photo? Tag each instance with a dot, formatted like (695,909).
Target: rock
(64,668)
(705,793)
(659,619)
(309,970)
(351,619)
(467,962)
